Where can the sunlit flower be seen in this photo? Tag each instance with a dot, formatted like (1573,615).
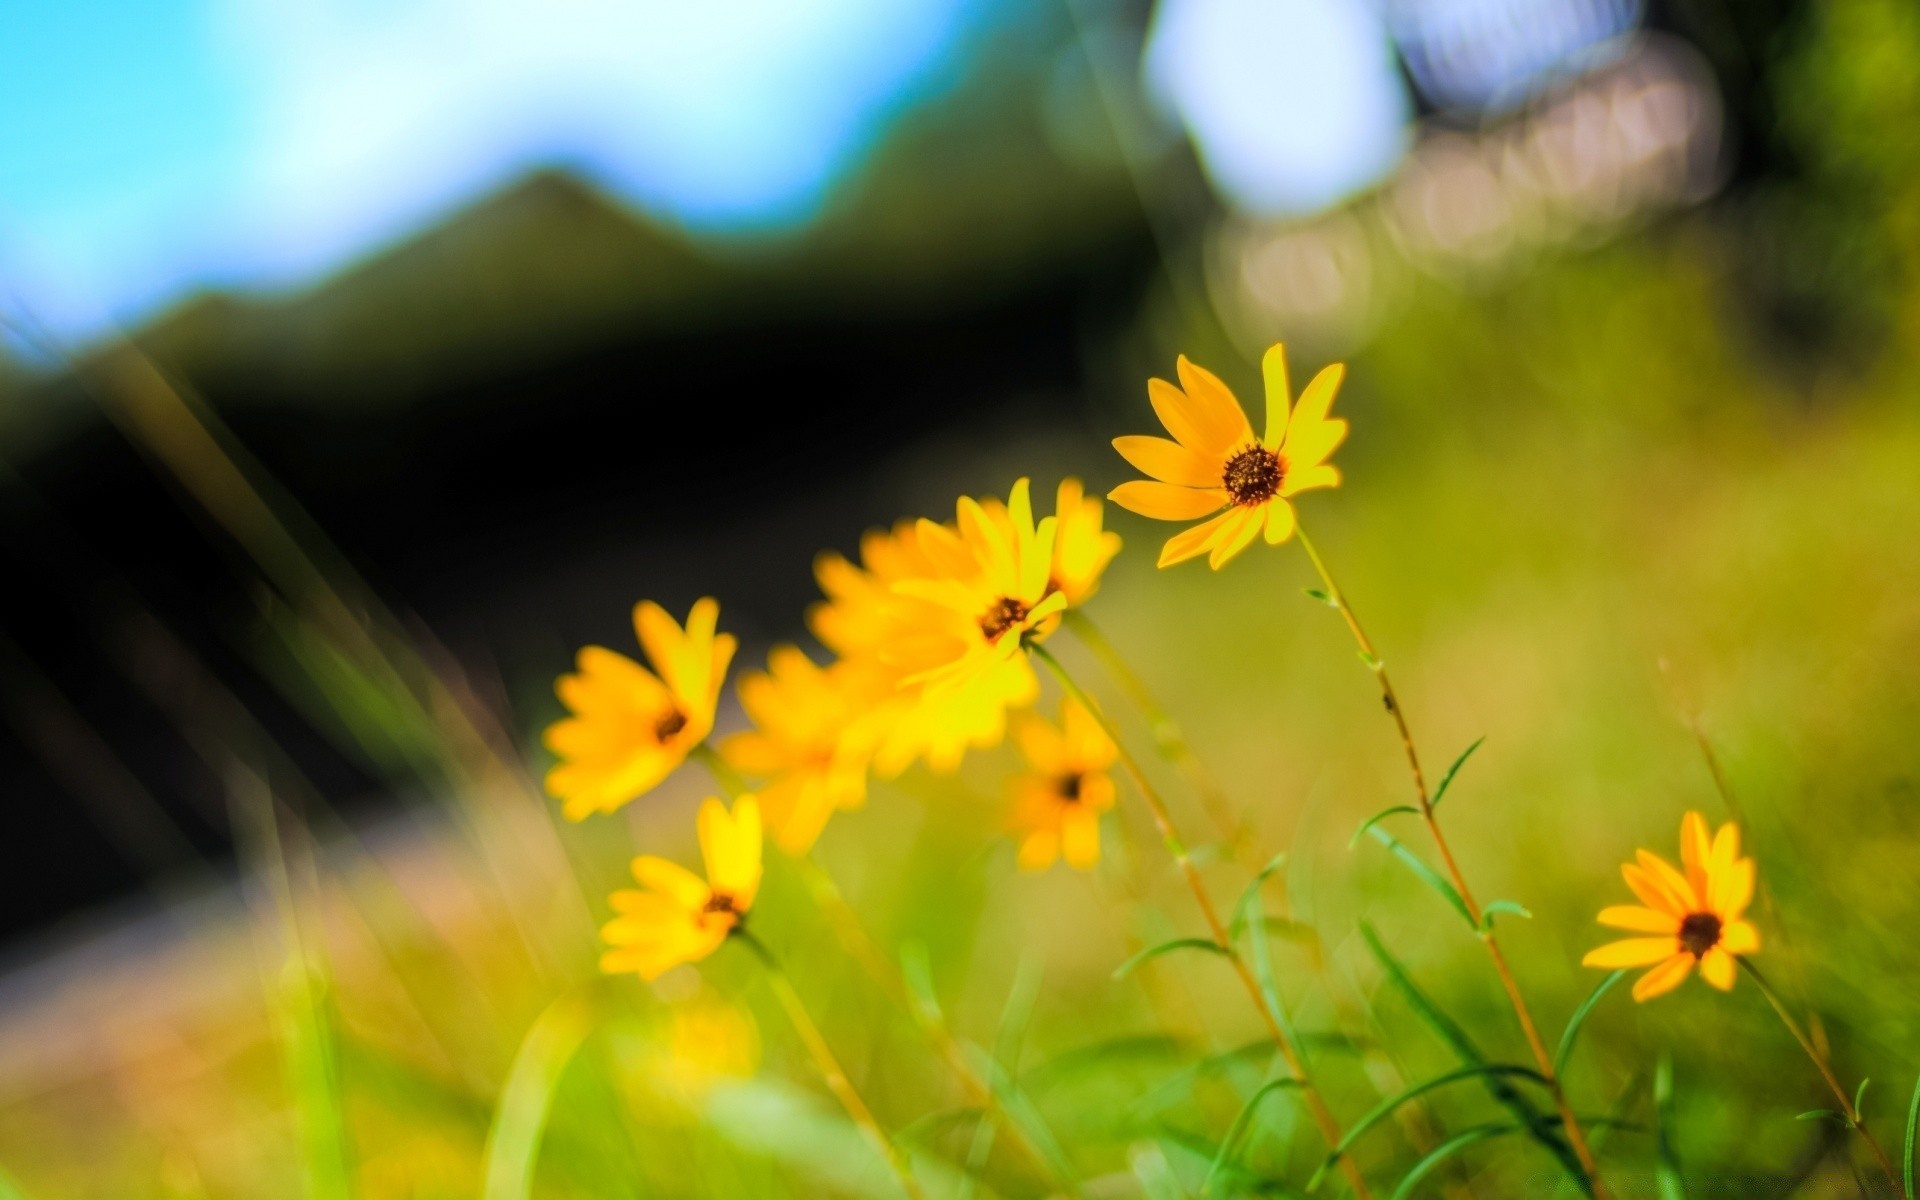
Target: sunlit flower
(676,916)
(1082,546)
(1215,462)
(863,615)
(630,727)
(1057,805)
(1692,917)
(989,593)
(812,741)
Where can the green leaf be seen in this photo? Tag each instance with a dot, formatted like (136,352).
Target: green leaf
(1179,1086)
(1321,595)
(520,1118)
(1127,968)
(1263,965)
(1859,1094)
(1251,893)
(1440,793)
(1241,1120)
(1438,1156)
(1666,1172)
(1396,811)
(1579,1018)
(1386,1108)
(1824,1114)
(1427,874)
(1501,906)
(1913,1124)
(1537,1124)
(1373,664)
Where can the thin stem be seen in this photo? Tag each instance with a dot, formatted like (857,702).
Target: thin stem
(1575,1135)
(1163,820)
(830,1069)
(853,937)
(1168,737)
(1847,1108)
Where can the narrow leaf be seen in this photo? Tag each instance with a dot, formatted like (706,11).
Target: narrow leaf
(1127,968)
(1860,1094)
(1438,1156)
(1440,792)
(1427,874)
(1386,1108)
(1501,906)
(1822,1114)
(1913,1122)
(1666,1173)
(1373,664)
(1578,1019)
(1241,1120)
(1251,893)
(520,1119)
(1321,595)
(1396,811)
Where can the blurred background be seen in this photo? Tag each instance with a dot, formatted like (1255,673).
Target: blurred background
(358,362)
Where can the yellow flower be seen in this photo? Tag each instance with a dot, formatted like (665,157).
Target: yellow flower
(677,917)
(1082,546)
(1215,462)
(1057,805)
(1692,916)
(811,738)
(630,728)
(863,616)
(989,593)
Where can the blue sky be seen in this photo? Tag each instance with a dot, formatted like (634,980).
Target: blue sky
(150,146)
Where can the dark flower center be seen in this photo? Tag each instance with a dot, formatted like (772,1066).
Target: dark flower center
(1068,787)
(1699,933)
(667,726)
(720,902)
(1005,614)
(1254,475)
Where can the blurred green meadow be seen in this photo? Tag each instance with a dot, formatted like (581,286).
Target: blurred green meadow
(1597,510)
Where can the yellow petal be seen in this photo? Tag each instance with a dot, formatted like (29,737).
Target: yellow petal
(1309,478)
(672,880)
(1311,445)
(1640,920)
(1280,521)
(1317,399)
(1039,849)
(1180,417)
(1695,848)
(1190,543)
(1165,501)
(1718,968)
(1273,370)
(1671,880)
(1740,937)
(1732,889)
(1652,892)
(1233,538)
(1630,952)
(1170,462)
(730,843)
(1216,412)
(1663,978)
(1080,839)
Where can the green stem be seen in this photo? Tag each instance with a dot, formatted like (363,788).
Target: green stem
(1322,1115)
(1820,1063)
(830,1069)
(1168,738)
(730,780)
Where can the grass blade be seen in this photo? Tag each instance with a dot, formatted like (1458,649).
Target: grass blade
(1440,793)
(1579,1018)
(1913,1121)
(1438,1156)
(1427,874)
(1238,1128)
(520,1118)
(1666,1172)
(1387,1107)
(1398,810)
(1128,967)
(1251,893)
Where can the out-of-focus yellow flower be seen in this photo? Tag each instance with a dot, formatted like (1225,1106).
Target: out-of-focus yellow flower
(1215,462)
(1057,805)
(1082,546)
(1692,916)
(703,1042)
(989,593)
(812,740)
(630,727)
(676,916)
(863,615)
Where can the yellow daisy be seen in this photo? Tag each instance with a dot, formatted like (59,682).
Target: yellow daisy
(1215,462)
(863,616)
(1692,916)
(811,739)
(629,727)
(1057,805)
(676,916)
(1082,546)
(990,593)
